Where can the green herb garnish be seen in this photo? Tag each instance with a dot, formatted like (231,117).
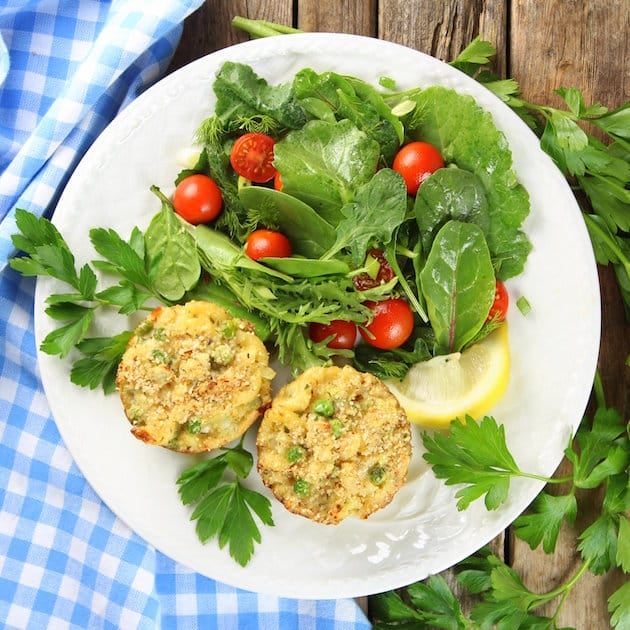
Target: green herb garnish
(224,509)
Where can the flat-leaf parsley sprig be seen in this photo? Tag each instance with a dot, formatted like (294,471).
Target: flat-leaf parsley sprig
(224,508)
(48,254)
(476,457)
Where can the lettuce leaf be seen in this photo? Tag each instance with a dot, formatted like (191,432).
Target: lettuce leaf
(467,136)
(324,163)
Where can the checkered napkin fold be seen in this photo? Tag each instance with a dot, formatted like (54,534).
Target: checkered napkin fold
(67,67)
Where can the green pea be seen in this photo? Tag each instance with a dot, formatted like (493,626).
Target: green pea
(378,474)
(229,330)
(194,427)
(336,426)
(295,454)
(144,327)
(159,334)
(301,487)
(159,356)
(324,407)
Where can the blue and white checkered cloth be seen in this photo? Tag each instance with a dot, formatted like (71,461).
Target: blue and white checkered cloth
(66,68)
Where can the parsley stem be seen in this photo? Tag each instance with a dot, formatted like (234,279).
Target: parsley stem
(563,589)
(598,390)
(556,480)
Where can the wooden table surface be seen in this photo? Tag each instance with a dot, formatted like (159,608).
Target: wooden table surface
(544,45)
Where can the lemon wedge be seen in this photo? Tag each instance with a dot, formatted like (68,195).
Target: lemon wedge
(436,391)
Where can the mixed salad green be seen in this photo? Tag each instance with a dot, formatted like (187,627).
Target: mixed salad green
(345,207)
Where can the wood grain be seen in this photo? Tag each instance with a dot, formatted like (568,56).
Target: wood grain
(443,29)
(343,16)
(544,45)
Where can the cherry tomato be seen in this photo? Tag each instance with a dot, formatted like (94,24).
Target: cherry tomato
(415,162)
(267,243)
(252,157)
(384,274)
(277,181)
(391,325)
(498,310)
(345,333)
(197,199)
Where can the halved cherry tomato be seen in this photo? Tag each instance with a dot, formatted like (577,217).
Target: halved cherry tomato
(415,162)
(277,181)
(499,308)
(345,333)
(267,243)
(198,199)
(384,273)
(391,325)
(252,157)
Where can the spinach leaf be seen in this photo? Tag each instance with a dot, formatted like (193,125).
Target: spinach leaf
(379,208)
(323,163)
(310,235)
(331,96)
(242,96)
(458,284)
(172,252)
(450,193)
(466,136)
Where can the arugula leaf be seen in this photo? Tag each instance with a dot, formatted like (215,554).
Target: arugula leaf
(379,207)
(224,508)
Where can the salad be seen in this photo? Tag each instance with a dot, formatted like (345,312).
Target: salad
(326,209)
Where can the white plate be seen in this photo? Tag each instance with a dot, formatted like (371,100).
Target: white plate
(554,348)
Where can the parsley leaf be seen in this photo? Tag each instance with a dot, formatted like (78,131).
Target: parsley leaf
(603,449)
(475,455)
(542,522)
(224,508)
(619,606)
(429,604)
(100,361)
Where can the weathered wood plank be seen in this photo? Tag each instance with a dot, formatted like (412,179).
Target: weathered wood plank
(343,16)
(579,43)
(443,29)
(210,27)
